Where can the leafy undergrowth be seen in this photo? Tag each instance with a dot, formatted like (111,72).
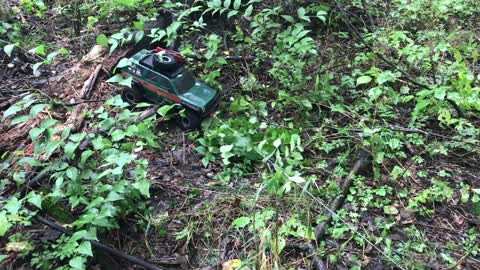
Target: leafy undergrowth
(306,88)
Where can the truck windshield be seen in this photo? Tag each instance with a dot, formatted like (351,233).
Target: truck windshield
(184,81)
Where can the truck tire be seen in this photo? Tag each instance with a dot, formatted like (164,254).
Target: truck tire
(191,121)
(166,63)
(132,95)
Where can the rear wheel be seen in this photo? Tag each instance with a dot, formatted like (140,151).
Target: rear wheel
(132,95)
(190,121)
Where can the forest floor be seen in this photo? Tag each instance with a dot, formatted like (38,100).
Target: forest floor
(405,210)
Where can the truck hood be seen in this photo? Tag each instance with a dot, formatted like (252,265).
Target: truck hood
(199,95)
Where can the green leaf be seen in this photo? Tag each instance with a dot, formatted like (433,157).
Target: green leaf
(117,135)
(78,263)
(115,79)
(277,143)
(40,49)
(12,110)
(36,66)
(13,205)
(85,155)
(35,199)
(72,173)
(102,40)
(78,137)
(288,18)
(143,186)
(139,25)
(241,222)
(236,4)
(19,119)
(35,132)
(232,13)
(124,62)
(227,3)
(63,51)
(248,11)
(69,149)
(114,44)
(2,256)
(138,36)
(51,147)
(4,224)
(363,80)
(165,109)
(8,49)
(48,123)
(226,148)
(37,108)
(85,248)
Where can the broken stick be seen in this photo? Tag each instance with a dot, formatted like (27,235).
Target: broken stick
(90,83)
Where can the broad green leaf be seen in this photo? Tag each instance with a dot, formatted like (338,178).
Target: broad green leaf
(2,256)
(124,62)
(163,111)
(138,36)
(236,4)
(35,199)
(13,205)
(37,108)
(40,49)
(12,110)
(288,18)
(102,40)
(4,224)
(78,263)
(36,66)
(48,123)
(85,155)
(114,44)
(232,13)
(78,137)
(227,3)
(8,49)
(127,82)
(226,148)
(69,149)
(248,11)
(63,51)
(51,147)
(72,173)
(241,222)
(85,248)
(35,132)
(143,186)
(118,135)
(19,119)
(277,143)
(363,80)
(115,79)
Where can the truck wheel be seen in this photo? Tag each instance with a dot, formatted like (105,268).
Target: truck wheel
(191,121)
(165,62)
(131,95)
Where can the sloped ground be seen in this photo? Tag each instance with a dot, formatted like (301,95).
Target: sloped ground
(412,209)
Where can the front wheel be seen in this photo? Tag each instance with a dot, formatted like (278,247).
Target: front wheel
(132,95)
(190,121)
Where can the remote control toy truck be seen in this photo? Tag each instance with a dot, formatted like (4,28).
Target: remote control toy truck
(159,76)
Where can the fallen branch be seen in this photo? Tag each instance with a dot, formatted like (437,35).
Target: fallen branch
(90,83)
(333,206)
